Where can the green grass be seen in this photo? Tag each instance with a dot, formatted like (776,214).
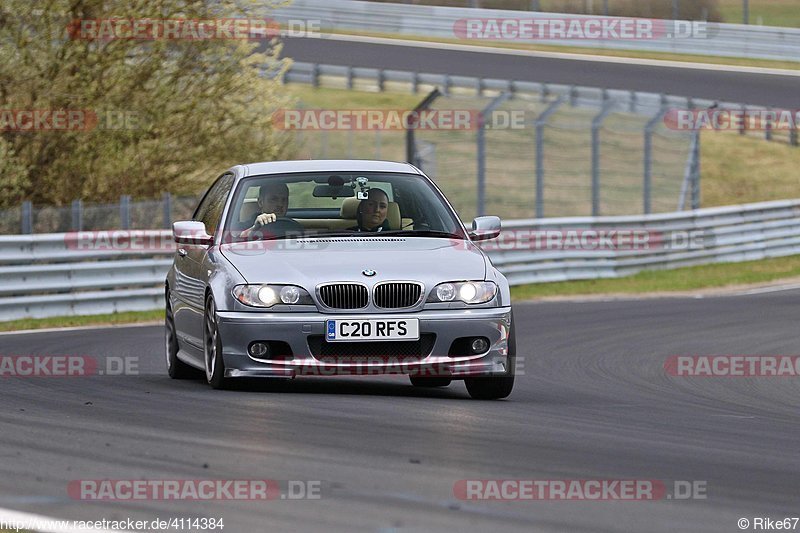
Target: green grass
(740,169)
(767,12)
(89,320)
(678,280)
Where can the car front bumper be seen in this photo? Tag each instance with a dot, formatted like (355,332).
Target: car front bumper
(239,329)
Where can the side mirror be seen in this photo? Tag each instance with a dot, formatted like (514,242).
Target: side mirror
(191,232)
(485,228)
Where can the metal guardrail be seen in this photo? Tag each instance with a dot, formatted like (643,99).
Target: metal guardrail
(638,102)
(45,275)
(724,40)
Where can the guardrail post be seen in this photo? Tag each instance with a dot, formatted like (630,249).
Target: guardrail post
(648,159)
(27,217)
(381,80)
(481,142)
(447,82)
(573,96)
(743,127)
(315,75)
(479,88)
(793,134)
(545,92)
(125,211)
(415,82)
(166,210)
(768,126)
(597,122)
(350,78)
(77,215)
(633,101)
(540,124)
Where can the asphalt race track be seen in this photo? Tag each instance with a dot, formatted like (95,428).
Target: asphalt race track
(594,403)
(749,88)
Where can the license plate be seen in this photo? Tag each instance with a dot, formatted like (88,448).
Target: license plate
(360,329)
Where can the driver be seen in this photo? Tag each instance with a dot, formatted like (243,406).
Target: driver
(273,199)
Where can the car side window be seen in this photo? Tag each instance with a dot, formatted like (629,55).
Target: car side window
(209,212)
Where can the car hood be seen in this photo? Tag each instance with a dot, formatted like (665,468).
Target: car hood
(309,262)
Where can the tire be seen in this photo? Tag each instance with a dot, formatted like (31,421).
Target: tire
(212,347)
(176,369)
(430,382)
(496,387)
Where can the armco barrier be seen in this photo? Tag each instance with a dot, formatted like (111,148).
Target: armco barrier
(724,40)
(43,275)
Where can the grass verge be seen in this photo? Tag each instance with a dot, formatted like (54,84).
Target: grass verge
(770,12)
(130,317)
(665,281)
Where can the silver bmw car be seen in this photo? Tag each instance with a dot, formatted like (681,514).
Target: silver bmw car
(320,268)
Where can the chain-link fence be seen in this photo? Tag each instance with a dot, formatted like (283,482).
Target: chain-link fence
(532,154)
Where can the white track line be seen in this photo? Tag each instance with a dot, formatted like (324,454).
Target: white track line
(561,55)
(39,523)
(82,328)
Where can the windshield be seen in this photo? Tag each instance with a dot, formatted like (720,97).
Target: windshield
(338,204)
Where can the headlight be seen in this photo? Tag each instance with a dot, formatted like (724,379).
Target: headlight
(469,292)
(270,295)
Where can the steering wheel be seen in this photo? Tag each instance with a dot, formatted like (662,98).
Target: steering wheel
(282,227)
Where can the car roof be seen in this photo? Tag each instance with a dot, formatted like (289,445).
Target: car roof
(326,165)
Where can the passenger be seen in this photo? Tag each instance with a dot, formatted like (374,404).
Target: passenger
(372,212)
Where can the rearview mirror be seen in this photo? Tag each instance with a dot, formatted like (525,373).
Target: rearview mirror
(332,191)
(191,232)
(485,228)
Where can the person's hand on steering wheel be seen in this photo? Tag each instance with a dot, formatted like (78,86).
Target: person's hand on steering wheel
(264,219)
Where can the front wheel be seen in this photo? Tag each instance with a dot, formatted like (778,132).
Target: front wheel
(176,368)
(212,347)
(496,387)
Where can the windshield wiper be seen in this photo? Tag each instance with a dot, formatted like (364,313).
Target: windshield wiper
(422,233)
(327,234)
